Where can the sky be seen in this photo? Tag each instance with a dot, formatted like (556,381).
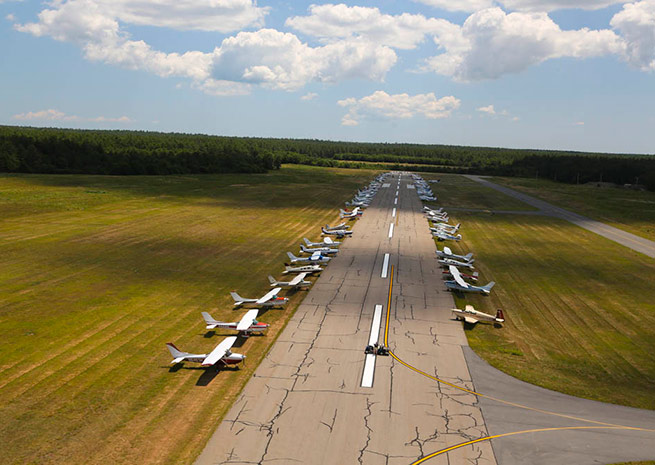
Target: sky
(548,74)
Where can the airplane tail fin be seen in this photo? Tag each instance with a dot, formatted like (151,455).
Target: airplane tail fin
(272,280)
(302,248)
(307,241)
(500,315)
(291,256)
(471,262)
(175,352)
(468,257)
(208,318)
(488,287)
(458,237)
(476,274)
(237,298)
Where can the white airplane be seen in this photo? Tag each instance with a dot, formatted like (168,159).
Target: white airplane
(336,232)
(460,285)
(449,228)
(337,227)
(248,324)
(316,257)
(430,210)
(269,300)
(221,355)
(444,236)
(357,203)
(472,316)
(327,242)
(442,229)
(295,283)
(447,253)
(472,277)
(322,250)
(446,262)
(302,269)
(356,212)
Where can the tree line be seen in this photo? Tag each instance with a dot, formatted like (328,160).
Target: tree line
(48,150)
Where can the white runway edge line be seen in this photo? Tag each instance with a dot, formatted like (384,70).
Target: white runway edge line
(393,212)
(390,230)
(385,266)
(369,365)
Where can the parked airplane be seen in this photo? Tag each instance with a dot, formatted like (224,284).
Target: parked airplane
(327,242)
(472,277)
(460,285)
(221,355)
(248,324)
(356,203)
(337,227)
(472,316)
(336,232)
(446,227)
(447,253)
(322,250)
(316,257)
(444,236)
(442,229)
(269,300)
(446,262)
(302,269)
(356,212)
(295,283)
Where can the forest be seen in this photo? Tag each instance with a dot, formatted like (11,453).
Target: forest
(50,150)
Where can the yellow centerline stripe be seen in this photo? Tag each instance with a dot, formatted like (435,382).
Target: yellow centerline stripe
(513,404)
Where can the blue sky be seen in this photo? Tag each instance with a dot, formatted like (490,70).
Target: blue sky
(560,74)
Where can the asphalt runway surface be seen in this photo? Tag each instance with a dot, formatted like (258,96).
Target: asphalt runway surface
(636,243)
(432,401)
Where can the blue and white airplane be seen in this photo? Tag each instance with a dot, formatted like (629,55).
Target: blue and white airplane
(327,242)
(322,250)
(269,300)
(447,253)
(316,257)
(458,284)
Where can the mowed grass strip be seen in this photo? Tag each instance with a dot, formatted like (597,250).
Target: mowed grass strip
(97,273)
(455,190)
(580,309)
(632,211)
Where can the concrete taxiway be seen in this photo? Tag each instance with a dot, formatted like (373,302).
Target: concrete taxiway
(306,402)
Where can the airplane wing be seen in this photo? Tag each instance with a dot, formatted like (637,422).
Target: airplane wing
(457,277)
(219,352)
(298,279)
(316,256)
(270,295)
(247,320)
(470,320)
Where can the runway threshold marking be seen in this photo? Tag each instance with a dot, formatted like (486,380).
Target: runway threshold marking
(603,425)
(369,364)
(385,266)
(390,230)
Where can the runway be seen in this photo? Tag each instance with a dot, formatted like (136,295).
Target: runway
(432,401)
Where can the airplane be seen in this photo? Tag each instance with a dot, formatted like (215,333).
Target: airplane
(316,257)
(472,277)
(446,262)
(444,236)
(221,355)
(357,203)
(302,269)
(446,227)
(337,227)
(447,253)
(297,282)
(356,212)
(269,300)
(462,286)
(322,250)
(327,242)
(472,316)
(336,232)
(442,229)
(430,210)
(248,324)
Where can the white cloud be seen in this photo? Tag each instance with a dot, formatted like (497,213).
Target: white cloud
(280,60)
(636,23)
(520,5)
(56,115)
(309,96)
(399,106)
(330,21)
(490,110)
(492,43)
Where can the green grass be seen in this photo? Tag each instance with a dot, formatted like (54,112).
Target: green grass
(457,191)
(580,309)
(97,273)
(632,211)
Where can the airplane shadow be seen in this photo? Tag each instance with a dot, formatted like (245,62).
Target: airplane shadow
(208,374)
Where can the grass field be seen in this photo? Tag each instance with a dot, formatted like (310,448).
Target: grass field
(457,191)
(580,309)
(97,273)
(632,211)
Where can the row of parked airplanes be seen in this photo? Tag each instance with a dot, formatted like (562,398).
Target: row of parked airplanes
(318,253)
(442,230)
